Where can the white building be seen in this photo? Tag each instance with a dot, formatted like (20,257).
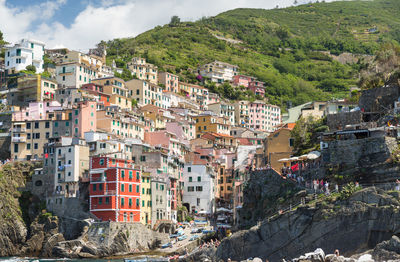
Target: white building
(65,161)
(219,71)
(199,190)
(26,52)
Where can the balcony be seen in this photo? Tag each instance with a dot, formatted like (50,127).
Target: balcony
(109,192)
(19,130)
(98,179)
(18,139)
(67,71)
(61,168)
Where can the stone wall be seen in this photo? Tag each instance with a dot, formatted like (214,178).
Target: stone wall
(340,120)
(379,99)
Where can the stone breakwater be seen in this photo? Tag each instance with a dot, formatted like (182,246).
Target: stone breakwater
(352,225)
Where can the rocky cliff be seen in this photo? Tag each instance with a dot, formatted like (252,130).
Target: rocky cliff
(351,225)
(14,207)
(27,229)
(265,193)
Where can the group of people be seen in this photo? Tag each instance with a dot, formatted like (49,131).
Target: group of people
(210,243)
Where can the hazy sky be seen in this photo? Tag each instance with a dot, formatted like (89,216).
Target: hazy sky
(80,24)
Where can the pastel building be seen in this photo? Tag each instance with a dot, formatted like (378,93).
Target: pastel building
(26,52)
(170,81)
(115,190)
(143,70)
(218,71)
(117,90)
(145,93)
(257,87)
(264,117)
(199,190)
(32,88)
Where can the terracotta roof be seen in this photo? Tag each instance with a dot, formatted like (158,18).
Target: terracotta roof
(244,141)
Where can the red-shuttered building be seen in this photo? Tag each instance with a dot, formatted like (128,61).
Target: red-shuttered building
(114,189)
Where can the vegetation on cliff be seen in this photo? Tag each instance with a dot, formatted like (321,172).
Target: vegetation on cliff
(282,47)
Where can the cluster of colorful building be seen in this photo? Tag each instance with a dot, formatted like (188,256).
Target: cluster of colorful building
(143,148)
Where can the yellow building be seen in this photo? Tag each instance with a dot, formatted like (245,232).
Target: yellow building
(32,88)
(145,93)
(206,123)
(278,145)
(143,70)
(120,125)
(145,210)
(115,87)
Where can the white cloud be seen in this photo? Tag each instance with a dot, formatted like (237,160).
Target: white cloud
(111,19)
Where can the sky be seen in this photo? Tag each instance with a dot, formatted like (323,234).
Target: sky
(81,24)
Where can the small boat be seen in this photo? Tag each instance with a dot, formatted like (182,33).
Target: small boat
(194,237)
(167,245)
(182,237)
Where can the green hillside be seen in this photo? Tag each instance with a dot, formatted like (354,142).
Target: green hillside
(281,47)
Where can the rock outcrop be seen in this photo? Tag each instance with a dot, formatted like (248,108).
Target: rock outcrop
(13,207)
(110,238)
(265,193)
(352,225)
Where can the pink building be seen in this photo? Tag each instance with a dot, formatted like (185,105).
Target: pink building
(257,87)
(170,81)
(36,111)
(83,118)
(264,117)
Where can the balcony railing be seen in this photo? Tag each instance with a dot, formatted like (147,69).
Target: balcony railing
(98,179)
(18,139)
(19,130)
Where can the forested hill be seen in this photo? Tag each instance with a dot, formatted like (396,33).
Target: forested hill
(281,47)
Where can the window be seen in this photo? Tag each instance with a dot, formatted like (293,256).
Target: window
(28,146)
(130,175)
(15,148)
(28,136)
(122,174)
(291,142)
(28,125)
(130,188)
(36,124)
(137,202)
(137,176)
(35,146)
(130,201)
(94,187)
(199,188)
(199,179)
(101,187)
(47,125)
(100,200)
(198,201)
(189,169)
(122,201)
(101,162)
(107,200)
(122,187)
(143,158)
(137,189)
(190,189)
(190,179)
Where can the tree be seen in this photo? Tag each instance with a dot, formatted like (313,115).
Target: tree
(175,20)
(31,68)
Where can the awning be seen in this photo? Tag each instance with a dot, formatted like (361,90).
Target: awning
(313,155)
(284,160)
